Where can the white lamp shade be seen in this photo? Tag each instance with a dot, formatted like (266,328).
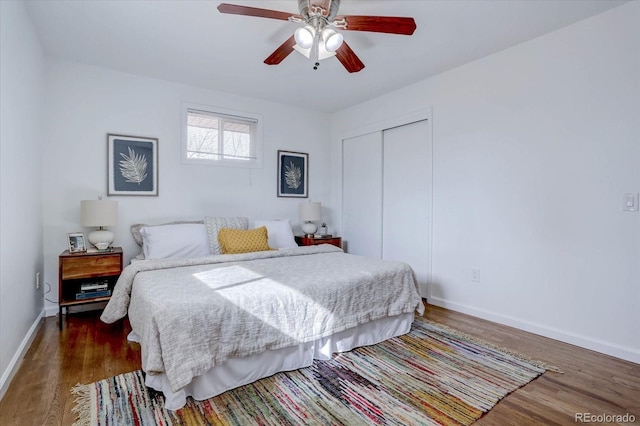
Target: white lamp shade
(323,53)
(310,211)
(98,212)
(332,39)
(304,36)
(305,52)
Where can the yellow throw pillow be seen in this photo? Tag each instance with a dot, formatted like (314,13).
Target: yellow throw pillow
(243,241)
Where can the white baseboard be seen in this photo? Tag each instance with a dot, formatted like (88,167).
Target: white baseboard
(618,351)
(13,366)
(51,311)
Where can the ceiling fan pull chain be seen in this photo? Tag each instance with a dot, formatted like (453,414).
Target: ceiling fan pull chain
(316,50)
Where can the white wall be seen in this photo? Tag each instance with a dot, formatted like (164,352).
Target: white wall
(533,149)
(21,88)
(84,103)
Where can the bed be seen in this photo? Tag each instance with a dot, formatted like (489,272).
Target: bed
(212,323)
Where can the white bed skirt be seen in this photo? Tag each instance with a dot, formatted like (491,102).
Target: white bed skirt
(241,371)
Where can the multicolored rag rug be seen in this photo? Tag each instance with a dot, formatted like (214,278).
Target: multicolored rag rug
(431,376)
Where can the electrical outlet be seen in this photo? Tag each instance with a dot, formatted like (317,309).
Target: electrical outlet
(475,275)
(630,202)
(37,280)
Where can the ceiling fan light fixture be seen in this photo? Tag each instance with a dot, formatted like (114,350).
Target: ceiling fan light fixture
(302,50)
(312,41)
(305,36)
(323,53)
(332,39)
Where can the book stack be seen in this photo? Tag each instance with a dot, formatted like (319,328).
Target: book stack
(93,290)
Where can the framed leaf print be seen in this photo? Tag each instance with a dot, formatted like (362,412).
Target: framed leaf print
(132,165)
(293,174)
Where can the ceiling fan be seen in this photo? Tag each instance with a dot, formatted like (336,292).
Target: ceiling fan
(317,39)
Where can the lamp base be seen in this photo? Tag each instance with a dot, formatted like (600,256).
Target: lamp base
(101,238)
(309,229)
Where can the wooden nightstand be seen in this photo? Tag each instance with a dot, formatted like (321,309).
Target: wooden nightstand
(87,277)
(301,240)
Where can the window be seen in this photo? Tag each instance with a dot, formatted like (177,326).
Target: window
(220,137)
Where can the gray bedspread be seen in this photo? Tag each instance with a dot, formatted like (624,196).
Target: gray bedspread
(193,314)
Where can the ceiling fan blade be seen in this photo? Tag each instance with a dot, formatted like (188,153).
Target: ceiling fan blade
(380,24)
(235,9)
(281,52)
(348,58)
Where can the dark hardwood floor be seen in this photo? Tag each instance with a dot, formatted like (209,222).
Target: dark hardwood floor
(87,350)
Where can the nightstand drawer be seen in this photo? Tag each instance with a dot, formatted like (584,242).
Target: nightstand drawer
(90,266)
(301,240)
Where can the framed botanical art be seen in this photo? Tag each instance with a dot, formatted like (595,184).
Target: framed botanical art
(132,165)
(76,242)
(293,174)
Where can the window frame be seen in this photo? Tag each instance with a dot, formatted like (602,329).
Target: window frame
(254,163)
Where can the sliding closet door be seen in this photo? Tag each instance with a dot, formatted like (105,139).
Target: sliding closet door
(406,206)
(362,194)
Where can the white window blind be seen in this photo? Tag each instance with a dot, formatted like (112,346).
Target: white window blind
(218,137)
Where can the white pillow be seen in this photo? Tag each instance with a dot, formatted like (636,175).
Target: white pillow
(280,233)
(135,229)
(175,241)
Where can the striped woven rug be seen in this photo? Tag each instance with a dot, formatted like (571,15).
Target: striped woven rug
(430,376)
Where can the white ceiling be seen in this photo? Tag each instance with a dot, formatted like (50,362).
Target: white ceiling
(191,42)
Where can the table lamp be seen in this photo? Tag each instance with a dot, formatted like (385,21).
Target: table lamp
(100,214)
(308,213)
